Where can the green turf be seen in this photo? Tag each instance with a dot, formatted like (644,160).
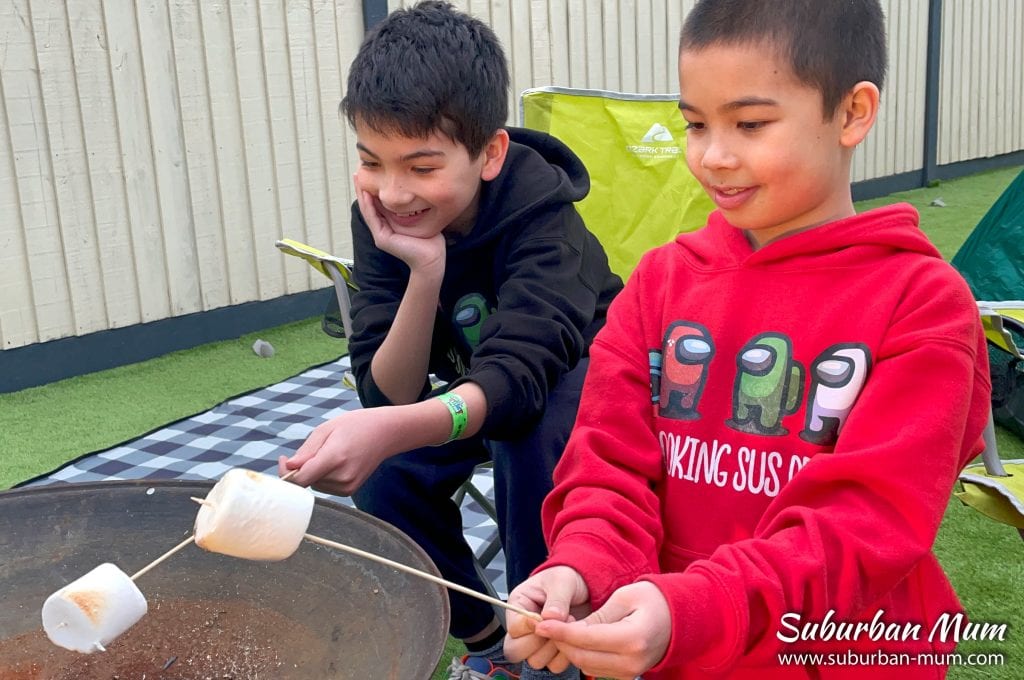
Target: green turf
(43,427)
(967,199)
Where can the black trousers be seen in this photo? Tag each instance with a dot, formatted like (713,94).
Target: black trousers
(413,492)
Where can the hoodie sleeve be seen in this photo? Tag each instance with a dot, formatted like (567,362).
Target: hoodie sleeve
(546,301)
(841,535)
(382,280)
(603,517)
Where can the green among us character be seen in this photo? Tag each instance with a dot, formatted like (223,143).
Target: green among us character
(686,352)
(470,313)
(837,376)
(769,383)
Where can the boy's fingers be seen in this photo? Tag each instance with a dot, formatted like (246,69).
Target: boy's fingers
(516,625)
(592,632)
(559,663)
(559,600)
(312,471)
(544,655)
(314,442)
(300,460)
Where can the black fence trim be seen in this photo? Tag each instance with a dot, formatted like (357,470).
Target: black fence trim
(46,362)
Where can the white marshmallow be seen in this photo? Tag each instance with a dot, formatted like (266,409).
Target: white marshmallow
(254,516)
(88,613)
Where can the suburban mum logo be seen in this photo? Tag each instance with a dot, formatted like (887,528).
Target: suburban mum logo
(947,628)
(657,142)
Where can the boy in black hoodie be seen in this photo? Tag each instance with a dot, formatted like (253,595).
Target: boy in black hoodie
(472,264)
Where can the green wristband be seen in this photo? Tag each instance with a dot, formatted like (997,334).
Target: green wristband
(460,416)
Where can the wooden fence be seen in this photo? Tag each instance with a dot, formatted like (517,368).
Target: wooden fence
(151,152)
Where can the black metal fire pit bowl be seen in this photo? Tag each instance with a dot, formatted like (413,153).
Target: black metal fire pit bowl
(319,614)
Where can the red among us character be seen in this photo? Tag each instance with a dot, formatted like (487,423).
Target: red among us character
(686,353)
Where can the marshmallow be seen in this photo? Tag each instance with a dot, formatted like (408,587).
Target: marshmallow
(86,614)
(254,516)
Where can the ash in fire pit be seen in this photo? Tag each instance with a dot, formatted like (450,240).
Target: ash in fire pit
(178,639)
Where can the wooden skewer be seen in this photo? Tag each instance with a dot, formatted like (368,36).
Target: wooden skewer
(409,570)
(289,475)
(163,557)
(424,575)
(395,565)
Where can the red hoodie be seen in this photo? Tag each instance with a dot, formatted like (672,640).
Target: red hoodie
(771,437)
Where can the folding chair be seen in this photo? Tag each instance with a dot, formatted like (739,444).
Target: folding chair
(339,271)
(995,487)
(633,145)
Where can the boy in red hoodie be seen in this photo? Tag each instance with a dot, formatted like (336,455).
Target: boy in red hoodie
(780,403)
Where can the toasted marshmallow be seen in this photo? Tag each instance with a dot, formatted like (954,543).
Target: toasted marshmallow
(254,516)
(88,613)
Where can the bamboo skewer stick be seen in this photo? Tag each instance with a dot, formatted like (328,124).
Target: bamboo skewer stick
(401,567)
(163,557)
(424,575)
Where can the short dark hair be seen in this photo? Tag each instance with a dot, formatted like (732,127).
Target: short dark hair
(831,45)
(430,68)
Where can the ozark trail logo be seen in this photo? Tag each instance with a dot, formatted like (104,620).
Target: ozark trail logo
(656,142)
(658,133)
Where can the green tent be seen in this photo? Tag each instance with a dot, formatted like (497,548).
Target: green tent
(992,258)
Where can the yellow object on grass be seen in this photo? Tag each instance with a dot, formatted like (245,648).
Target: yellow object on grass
(997,497)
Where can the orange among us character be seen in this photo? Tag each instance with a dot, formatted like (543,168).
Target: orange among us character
(686,353)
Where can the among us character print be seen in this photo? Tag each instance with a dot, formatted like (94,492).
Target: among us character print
(682,370)
(468,318)
(769,384)
(837,377)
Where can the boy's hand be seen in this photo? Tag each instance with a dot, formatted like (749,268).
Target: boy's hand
(417,252)
(557,593)
(624,638)
(340,454)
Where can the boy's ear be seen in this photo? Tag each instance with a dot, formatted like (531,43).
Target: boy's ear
(858,113)
(494,155)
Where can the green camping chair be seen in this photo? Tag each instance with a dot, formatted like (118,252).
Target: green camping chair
(641,192)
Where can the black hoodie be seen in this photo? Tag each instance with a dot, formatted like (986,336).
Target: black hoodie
(523,294)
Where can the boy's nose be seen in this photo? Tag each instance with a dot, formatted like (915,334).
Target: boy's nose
(393,194)
(717,154)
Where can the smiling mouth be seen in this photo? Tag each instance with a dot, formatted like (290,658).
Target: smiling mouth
(407,215)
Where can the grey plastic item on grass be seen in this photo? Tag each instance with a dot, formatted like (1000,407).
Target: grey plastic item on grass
(263,349)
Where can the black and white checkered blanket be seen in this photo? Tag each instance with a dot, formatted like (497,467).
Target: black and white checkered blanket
(251,431)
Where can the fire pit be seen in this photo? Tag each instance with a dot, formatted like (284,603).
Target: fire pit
(319,614)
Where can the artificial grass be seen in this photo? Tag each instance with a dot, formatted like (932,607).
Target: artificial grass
(966,200)
(44,427)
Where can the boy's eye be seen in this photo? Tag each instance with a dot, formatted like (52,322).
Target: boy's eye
(423,170)
(368,163)
(696,127)
(751,124)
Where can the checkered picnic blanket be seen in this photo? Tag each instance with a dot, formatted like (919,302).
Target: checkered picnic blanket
(251,431)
